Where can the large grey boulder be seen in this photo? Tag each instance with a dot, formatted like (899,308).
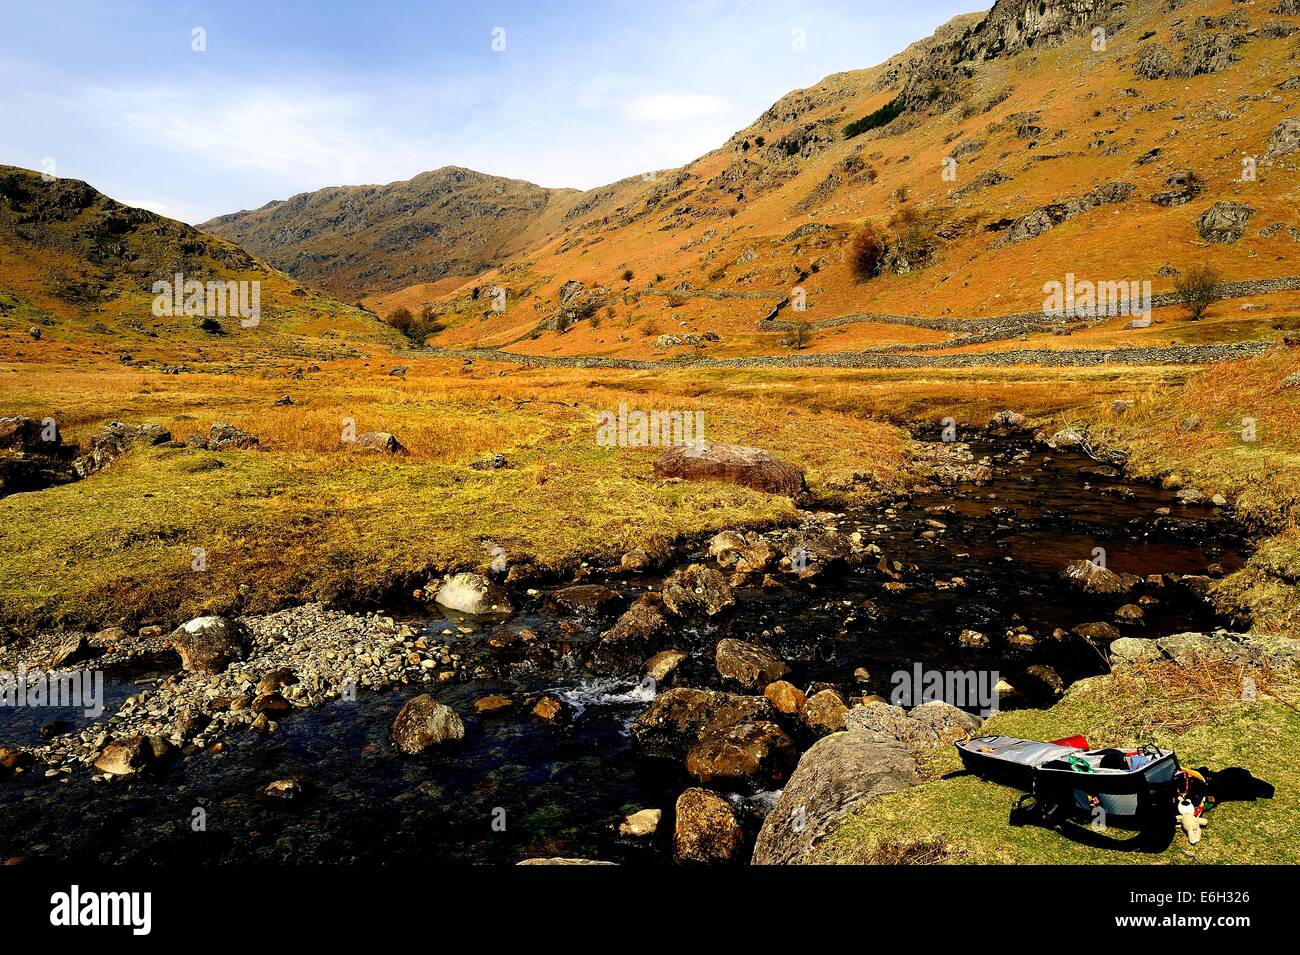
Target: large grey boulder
(210,644)
(839,772)
(472,594)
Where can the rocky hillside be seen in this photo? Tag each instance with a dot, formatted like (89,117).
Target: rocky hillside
(1115,141)
(72,257)
(356,240)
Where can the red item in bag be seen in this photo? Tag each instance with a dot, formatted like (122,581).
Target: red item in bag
(1078,742)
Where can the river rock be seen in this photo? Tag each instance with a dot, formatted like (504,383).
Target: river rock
(751,666)
(424,722)
(587,600)
(14,761)
(752,749)
(210,644)
(706,828)
(785,697)
(680,717)
(125,757)
(661,666)
(472,594)
(1130,614)
(824,712)
(749,467)
(837,773)
(641,629)
(492,703)
(283,790)
(1008,422)
(697,591)
(640,824)
(1092,579)
(1096,632)
(1045,680)
(72,648)
(560,860)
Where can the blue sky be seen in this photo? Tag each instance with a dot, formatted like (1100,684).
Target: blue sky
(292,96)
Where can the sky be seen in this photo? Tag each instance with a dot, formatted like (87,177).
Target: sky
(194,109)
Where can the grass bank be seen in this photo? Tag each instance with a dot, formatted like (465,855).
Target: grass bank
(959,818)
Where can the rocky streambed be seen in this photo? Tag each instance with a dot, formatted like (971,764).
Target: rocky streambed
(647,712)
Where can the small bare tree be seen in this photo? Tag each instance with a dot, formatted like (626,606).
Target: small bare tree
(800,336)
(1199,289)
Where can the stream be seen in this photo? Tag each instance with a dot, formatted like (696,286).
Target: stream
(516,787)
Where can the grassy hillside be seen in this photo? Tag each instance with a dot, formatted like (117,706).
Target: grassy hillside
(357,240)
(82,267)
(1032,117)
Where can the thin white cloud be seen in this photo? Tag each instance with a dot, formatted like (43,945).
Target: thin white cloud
(171,210)
(309,135)
(674,107)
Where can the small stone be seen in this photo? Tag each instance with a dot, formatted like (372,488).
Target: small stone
(640,824)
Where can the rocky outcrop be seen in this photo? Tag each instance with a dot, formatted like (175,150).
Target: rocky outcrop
(876,755)
(1224,222)
(423,722)
(114,440)
(749,467)
(1180,188)
(1048,217)
(210,644)
(226,437)
(1285,139)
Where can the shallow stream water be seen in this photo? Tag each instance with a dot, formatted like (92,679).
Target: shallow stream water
(517,788)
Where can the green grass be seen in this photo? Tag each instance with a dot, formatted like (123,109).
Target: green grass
(286,528)
(959,818)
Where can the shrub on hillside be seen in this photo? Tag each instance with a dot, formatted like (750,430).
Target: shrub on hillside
(414,329)
(867,253)
(1199,288)
(886,114)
